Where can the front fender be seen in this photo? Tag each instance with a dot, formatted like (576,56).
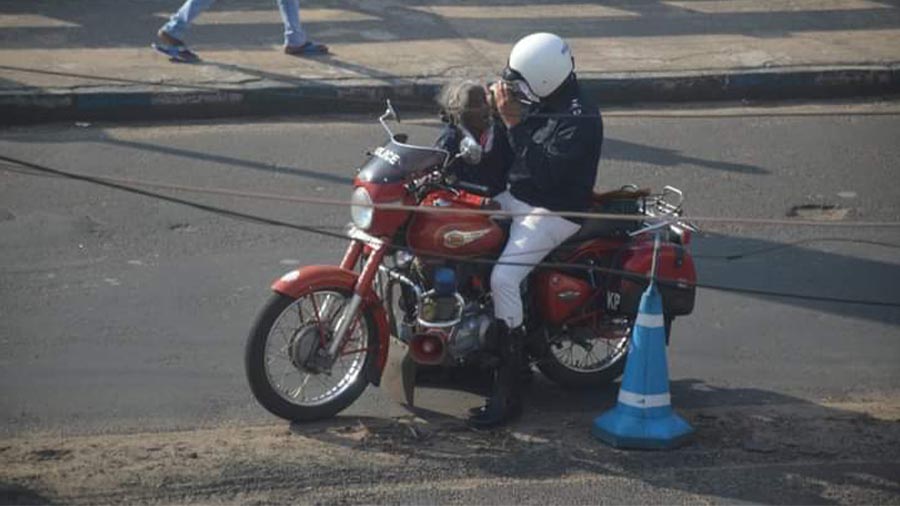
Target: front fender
(296,283)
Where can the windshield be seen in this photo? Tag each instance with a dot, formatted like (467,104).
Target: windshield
(396,161)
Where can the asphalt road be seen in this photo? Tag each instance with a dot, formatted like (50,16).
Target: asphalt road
(123,313)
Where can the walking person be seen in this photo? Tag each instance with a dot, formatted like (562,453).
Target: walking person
(171,35)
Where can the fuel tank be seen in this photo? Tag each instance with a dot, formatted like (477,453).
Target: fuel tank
(465,235)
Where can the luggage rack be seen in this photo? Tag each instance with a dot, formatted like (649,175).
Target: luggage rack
(664,210)
(667,204)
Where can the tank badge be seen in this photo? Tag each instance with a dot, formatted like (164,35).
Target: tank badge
(568,295)
(457,238)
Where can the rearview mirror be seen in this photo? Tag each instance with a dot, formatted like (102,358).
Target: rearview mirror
(470,150)
(391,112)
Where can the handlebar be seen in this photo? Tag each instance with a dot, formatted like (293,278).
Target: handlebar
(477,189)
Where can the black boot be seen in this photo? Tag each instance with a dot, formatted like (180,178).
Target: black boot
(505,402)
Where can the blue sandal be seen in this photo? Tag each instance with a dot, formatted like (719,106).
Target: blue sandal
(308,48)
(177,54)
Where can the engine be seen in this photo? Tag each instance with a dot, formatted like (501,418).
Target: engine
(469,334)
(449,317)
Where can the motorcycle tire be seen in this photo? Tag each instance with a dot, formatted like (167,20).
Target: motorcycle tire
(263,390)
(563,375)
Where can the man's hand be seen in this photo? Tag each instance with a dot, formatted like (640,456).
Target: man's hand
(508,107)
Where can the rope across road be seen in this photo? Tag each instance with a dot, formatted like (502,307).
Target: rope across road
(120,183)
(131,186)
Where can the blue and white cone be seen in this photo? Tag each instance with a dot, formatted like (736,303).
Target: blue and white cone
(643,417)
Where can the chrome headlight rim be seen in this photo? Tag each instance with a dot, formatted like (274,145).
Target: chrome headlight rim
(361,211)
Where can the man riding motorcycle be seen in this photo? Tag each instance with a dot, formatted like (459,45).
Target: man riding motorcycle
(555,135)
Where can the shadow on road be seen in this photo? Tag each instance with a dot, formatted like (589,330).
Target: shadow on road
(227,160)
(87,23)
(750,445)
(100,137)
(16,495)
(617,149)
(792,268)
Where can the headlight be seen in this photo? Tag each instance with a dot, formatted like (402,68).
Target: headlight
(361,210)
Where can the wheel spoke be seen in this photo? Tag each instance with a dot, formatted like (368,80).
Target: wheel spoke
(316,314)
(589,357)
(296,393)
(285,372)
(300,316)
(309,317)
(272,358)
(284,337)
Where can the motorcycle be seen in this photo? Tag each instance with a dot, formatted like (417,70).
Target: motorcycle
(424,277)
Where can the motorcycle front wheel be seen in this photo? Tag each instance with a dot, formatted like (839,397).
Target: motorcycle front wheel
(285,342)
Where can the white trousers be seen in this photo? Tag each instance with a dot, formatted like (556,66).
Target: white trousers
(531,238)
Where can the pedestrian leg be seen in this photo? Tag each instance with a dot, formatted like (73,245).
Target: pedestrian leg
(181,20)
(290,15)
(296,41)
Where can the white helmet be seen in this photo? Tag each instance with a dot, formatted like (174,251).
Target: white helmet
(543,61)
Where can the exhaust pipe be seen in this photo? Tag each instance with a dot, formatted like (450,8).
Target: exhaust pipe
(428,348)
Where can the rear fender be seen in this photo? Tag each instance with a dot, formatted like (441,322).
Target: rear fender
(296,283)
(676,272)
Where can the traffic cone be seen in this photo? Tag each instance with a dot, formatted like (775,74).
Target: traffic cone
(643,416)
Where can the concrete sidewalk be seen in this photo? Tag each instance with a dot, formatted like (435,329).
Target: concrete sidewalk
(91,59)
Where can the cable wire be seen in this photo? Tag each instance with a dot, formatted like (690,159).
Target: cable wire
(453,210)
(545,265)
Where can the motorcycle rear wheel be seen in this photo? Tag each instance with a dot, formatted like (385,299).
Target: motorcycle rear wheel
(574,373)
(288,330)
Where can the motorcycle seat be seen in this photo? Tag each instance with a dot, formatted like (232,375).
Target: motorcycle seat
(625,193)
(622,201)
(597,228)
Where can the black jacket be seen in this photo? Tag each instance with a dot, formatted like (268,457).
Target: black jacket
(493,169)
(556,157)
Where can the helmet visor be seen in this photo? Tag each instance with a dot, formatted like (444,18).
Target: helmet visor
(519,86)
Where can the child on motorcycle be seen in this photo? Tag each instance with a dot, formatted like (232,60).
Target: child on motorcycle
(465,109)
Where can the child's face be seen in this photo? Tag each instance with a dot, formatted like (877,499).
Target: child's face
(477,115)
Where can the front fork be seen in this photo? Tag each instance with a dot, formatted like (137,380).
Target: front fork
(361,291)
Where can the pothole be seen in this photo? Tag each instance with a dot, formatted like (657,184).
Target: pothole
(821,212)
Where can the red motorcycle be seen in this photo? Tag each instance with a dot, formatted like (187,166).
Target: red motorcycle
(424,277)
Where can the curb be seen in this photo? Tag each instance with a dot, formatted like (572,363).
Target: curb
(752,84)
(192,102)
